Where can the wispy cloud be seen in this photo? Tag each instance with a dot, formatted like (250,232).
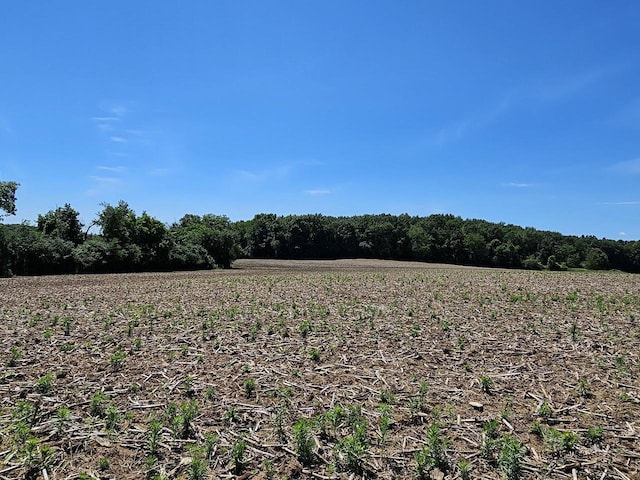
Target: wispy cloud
(559,88)
(109,180)
(544,91)
(127,145)
(110,120)
(111,169)
(519,185)
(633,202)
(119,110)
(472,122)
(137,132)
(630,167)
(104,184)
(250,176)
(120,139)
(119,154)
(105,119)
(318,192)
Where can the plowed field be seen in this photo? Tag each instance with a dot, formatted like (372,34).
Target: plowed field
(346,369)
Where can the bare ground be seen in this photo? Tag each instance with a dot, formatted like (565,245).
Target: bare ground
(145,375)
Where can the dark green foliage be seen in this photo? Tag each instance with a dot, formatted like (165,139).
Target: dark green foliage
(128,242)
(5,260)
(208,240)
(511,456)
(185,255)
(152,237)
(303,440)
(552,264)
(437,238)
(182,421)
(117,223)
(532,263)
(238,449)
(8,197)
(96,255)
(62,223)
(30,252)
(353,450)
(433,454)
(596,259)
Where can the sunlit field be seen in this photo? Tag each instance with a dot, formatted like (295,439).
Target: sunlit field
(345,369)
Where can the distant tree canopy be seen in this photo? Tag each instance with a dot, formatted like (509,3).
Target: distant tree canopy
(436,238)
(131,242)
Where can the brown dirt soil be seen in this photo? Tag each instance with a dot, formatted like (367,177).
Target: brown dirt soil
(129,376)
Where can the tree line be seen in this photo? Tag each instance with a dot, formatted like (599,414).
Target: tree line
(126,242)
(436,238)
(119,240)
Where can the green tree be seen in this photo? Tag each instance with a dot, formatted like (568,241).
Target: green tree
(552,264)
(30,252)
(117,223)
(210,239)
(63,223)
(7,205)
(476,247)
(346,238)
(420,242)
(504,254)
(596,259)
(381,237)
(263,241)
(5,269)
(306,236)
(151,236)
(96,255)
(8,198)
(632,252)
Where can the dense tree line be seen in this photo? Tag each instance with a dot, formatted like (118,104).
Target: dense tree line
(436,238)
(125,241)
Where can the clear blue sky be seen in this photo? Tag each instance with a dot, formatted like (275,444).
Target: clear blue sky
(524,112)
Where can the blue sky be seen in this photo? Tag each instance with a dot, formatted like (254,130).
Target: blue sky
(509,111)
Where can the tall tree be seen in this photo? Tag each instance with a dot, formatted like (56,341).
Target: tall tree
(7,205)
(211,235)
(8,198)
(117,223)
(63,223)
(151,235)
(118,226)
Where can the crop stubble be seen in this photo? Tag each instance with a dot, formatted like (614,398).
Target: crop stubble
(314,336)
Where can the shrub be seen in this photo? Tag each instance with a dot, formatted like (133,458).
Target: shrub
(433,454)
(303,439)
(238,449)
(353,450)
(511,455)
(44,384)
